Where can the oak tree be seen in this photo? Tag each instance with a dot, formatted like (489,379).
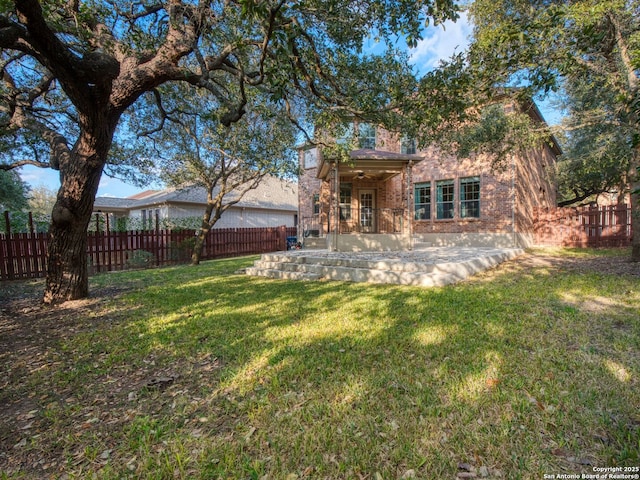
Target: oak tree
(196,152)
(71,69)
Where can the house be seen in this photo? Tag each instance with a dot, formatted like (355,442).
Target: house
(388,196)
(273,203)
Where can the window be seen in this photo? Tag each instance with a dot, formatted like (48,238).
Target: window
(345,201)
(367,136)
(345,134)
(149,218)
(310,158)
(316,203)
(407,145)
(470,197)
(422,199)
(444,199)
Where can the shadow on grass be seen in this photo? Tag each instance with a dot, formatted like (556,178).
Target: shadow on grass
(338,380)
(472,373)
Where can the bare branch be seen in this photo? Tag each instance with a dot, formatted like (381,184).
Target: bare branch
(623,48)
(22,163)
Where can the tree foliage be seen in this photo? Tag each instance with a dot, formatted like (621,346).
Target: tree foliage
(13,192)
(71,69)
(528,48)
(598,148)
(227,162)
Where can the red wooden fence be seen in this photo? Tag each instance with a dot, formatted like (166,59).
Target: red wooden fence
(24,255)
(596,226)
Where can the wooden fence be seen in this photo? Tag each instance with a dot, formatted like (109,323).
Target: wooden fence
(596,226)
(24,255)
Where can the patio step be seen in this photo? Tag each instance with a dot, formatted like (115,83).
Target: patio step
(386,271)
(281,274)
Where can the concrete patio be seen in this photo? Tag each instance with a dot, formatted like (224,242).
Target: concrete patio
(427,267)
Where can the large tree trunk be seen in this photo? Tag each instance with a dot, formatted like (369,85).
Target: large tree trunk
(205,226)
(634,181)
(67,270)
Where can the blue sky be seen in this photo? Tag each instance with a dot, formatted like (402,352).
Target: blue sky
(439,43)
(109,187)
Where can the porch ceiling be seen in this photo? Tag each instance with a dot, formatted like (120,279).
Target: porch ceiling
(374,164)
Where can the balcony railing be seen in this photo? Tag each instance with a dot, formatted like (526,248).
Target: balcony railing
(313,226)
(354,220)
(371,220)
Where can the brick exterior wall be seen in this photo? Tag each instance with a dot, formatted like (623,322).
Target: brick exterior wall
(535,186)
(508,197)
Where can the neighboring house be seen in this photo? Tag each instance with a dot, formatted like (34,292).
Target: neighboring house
(273,203)
(389,196)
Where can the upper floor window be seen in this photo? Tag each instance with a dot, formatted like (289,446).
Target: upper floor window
(367,136)
(345,134)
(422,198)
(444,199)
(470,197)
(316,203)
(408,145)
(310,158)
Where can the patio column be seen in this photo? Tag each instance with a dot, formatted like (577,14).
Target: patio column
(336,207)
(410,206)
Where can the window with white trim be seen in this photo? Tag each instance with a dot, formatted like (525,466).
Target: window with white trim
(310,158)
(408,145)
(367,136)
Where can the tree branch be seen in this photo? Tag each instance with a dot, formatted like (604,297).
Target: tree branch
(75,74)
(623,48)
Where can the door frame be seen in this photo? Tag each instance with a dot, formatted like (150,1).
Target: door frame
(367,225)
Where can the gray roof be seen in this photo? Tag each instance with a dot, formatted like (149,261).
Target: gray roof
(113,203)
(272,193)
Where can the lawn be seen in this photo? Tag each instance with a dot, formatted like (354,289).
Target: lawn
(529,369)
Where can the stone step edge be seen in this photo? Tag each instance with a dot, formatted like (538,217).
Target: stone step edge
(432,278)
(473,266)
(280,274)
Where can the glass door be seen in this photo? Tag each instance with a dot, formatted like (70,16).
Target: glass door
(367,211)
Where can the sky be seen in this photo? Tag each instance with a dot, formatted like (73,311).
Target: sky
(439,43)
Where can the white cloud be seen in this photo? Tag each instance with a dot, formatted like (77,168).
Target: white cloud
(36,177)
(440,43)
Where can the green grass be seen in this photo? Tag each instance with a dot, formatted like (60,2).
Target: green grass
(520,372)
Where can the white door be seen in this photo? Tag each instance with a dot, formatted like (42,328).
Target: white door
(367,211)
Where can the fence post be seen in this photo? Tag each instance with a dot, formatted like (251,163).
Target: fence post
(10,270)
(282,238)
(7,222)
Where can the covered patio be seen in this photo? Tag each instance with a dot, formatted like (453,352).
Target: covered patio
(366,201)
